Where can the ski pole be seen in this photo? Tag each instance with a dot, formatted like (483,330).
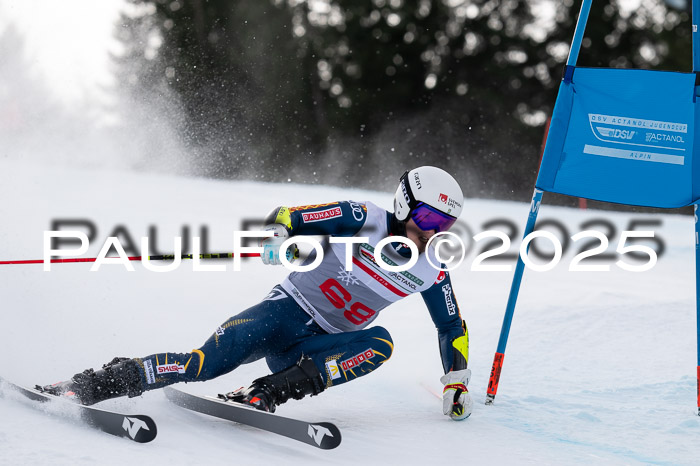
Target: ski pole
(162,257)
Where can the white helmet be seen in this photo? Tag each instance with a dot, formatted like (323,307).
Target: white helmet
(430,196)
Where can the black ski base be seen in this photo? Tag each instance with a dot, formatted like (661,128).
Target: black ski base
(322,435)
(137,427)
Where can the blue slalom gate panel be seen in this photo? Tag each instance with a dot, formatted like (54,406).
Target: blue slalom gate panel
(624,136)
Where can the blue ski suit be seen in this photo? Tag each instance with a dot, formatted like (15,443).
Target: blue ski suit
(325,313)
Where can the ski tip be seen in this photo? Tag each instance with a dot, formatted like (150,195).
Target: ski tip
(139,428)
(325,435)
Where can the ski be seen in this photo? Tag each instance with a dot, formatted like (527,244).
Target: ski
(136,427)
(322,435)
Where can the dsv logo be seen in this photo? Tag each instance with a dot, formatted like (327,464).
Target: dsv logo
(616,133)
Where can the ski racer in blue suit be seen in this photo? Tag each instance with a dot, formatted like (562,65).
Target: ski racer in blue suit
(313,329)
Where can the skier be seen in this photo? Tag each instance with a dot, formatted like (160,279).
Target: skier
(312,328)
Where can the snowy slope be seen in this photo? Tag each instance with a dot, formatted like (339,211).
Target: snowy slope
(600,366)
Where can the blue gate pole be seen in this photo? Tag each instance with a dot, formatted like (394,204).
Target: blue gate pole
(578,33)
(697,296)
(512,299)
(696,69)
(695,37)
(530,226)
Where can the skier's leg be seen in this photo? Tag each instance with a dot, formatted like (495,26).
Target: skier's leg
(315,363)
(265,328)
(340,357)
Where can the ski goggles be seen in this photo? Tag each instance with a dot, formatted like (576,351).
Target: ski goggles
(428,218)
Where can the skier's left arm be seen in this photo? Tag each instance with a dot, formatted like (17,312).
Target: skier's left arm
(454,346)
(343,218)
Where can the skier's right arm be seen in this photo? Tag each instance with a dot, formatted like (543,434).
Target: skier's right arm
(343,218)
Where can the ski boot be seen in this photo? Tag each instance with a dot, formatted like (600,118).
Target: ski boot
(266,393)
(119,377)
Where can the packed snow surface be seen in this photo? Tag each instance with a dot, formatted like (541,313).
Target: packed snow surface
(600,367)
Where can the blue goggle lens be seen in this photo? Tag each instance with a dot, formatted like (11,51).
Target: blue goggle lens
(428,218)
